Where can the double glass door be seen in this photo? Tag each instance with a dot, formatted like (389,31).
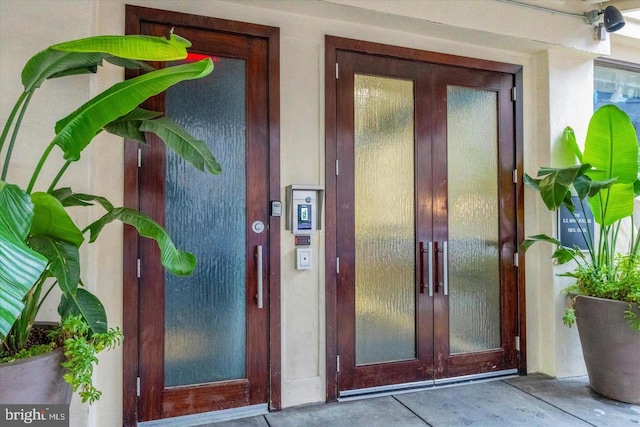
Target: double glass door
(426,231)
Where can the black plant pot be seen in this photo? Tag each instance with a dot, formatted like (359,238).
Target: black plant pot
(36,380)
(611,348)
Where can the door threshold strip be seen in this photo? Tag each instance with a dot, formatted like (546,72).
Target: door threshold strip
(371,392)
(209,417)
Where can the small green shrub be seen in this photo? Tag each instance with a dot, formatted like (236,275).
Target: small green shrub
(80,350)
(619,281)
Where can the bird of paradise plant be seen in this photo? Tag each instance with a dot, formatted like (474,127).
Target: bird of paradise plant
(39,241)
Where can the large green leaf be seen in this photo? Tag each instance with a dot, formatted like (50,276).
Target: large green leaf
(555,186)
(68,198)
(145,48)
(51,63)
(20,266)
(531,240)
(195,151)
(87,305)
(17,211)
(84,56)
(128,126)
(586,187)
(611,147)
(178,262)
(562,254)
(613,204)
(51,219)
(64,261)
(75,132)
(132,64)
(569,138)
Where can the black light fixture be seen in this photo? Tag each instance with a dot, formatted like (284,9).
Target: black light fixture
(613,21)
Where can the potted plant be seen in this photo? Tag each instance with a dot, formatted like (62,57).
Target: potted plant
(604,299)
(40,242)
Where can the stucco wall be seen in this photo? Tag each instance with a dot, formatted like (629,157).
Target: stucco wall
(557,92)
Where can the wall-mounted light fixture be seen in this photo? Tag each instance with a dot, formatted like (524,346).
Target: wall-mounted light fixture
(613,21)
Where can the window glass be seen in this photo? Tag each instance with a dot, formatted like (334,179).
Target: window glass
(619,87)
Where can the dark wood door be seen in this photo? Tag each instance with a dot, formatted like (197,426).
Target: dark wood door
(425,223)
(203,342)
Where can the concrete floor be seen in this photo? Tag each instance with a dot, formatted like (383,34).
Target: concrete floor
(534,400)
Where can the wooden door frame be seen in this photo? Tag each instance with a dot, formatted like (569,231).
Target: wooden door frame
(334,44)
(135,16)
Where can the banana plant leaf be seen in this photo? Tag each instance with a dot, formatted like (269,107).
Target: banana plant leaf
(87,305)
(64,261)
(131,64)
(52,220)
(128,126)
(20,266)
(569,138)
(195,151)
(562,254)
(85,55)
(144,48)
(178,262)
(50,64)
(75,132)
(555,186)
(67,197)
(611,147)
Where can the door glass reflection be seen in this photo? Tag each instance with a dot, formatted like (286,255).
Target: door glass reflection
(474,263)
(384,219)
(205,313)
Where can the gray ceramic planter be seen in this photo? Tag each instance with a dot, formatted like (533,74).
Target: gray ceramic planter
(611,348)
(36,380)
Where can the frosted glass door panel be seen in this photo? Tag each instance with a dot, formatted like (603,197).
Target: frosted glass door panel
(205,313)
(384,219)
(474,273)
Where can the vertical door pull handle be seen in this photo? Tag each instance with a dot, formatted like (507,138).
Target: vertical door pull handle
(445,267)
(421,266)
(259,272)
(430,269)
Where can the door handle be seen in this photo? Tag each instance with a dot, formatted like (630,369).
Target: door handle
(430,246)
(443,247)
(445,267)
(259,272)
(421,266)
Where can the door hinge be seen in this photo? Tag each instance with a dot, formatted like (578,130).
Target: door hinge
(514,93)
(337,167)
(517,342)
(139,157)
(515,176)
(337,265)
(515,260)
(337,363)
(138,386)
(138,268)
(336,71)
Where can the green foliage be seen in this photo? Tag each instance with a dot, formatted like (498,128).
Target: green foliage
(39,241)
(569,317)
(80,350)
(619,281)
(25,353)
(606,178)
